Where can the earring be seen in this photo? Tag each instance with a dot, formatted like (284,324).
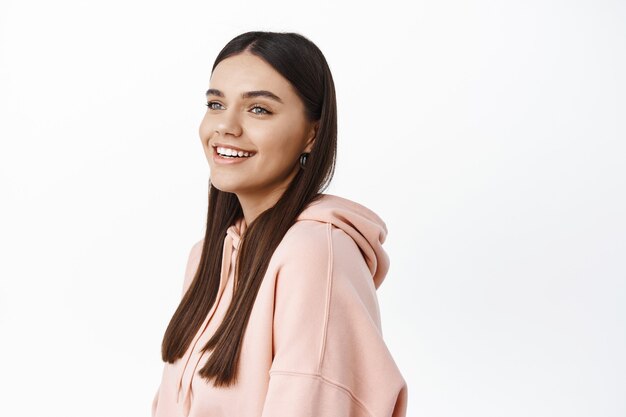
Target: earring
(303,158)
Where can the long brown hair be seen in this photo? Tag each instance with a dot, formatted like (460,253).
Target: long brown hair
(302,63)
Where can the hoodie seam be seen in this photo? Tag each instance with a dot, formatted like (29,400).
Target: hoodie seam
(329,274)
(330,383)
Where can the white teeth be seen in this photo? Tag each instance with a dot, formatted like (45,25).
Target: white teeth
(232,152)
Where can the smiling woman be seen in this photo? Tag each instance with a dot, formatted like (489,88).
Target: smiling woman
(270,125)
(279,314)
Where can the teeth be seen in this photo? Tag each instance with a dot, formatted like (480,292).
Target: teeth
(233,153)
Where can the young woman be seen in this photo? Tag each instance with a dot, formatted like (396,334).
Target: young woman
(279,315)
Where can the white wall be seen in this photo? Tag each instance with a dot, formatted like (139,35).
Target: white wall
(489,136)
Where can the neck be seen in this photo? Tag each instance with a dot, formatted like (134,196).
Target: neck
(254,202)
(253,205)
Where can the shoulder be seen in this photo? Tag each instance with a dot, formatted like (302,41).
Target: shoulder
(306,235)
(305,247)
(313,248)
(195,252)
(193,260)
(315,239)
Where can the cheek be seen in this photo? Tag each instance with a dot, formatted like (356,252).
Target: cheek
(204,128)
(278,151)
(281,140)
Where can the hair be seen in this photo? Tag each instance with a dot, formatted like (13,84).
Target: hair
(302,63)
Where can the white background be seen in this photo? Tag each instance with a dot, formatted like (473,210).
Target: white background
(490,136)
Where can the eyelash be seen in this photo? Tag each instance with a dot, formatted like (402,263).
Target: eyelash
(254,106)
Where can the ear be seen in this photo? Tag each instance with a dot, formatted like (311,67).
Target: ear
(312,135)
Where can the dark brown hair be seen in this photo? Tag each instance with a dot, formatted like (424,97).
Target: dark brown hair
(302,63)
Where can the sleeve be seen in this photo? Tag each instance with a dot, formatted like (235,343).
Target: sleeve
(330,359)
(193,261)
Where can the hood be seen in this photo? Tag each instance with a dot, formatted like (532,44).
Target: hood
(364,226)
(360,223)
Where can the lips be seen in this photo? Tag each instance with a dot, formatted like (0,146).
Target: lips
(227,151)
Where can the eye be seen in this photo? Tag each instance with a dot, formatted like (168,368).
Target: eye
(211,105)
(262,110)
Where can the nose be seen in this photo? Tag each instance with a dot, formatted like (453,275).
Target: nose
(227,122)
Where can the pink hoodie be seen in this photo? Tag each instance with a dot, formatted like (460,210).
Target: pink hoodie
(313,346)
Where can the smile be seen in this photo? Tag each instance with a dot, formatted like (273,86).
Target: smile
(232,153)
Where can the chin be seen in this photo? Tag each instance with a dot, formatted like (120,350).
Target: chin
(225,185)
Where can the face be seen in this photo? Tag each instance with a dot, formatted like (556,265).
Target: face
(254,129)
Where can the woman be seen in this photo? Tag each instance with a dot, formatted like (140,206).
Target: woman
(279,315)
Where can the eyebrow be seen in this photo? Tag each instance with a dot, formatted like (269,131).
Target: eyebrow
(247,94)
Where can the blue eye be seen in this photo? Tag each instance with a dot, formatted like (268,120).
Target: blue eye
(263,110)
(211,103)
(256,109)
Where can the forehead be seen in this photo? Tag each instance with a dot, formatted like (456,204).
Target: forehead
(244,71)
